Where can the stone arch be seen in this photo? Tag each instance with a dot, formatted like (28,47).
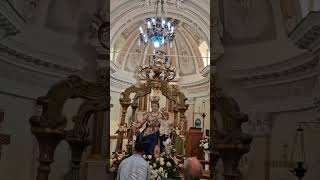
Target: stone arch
(49,127)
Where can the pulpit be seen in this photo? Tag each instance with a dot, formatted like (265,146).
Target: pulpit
(192,143)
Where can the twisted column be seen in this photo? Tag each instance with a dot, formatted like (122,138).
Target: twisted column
(125,105)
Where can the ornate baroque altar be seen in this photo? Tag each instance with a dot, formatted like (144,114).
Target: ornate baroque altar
(156,76)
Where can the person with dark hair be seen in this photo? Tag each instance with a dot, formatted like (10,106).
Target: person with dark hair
(134,167)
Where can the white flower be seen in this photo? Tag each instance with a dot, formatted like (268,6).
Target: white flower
(161,159)
(166,175)
(206,146)
(176,161)
(168,164)
(157,159)
(144,156)
(159,178)
(161,163)
(150,167)
(154,165)
(161,169)
(153,172)
(150,157)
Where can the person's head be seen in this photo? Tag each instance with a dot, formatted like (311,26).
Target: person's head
(192,169)
(139,148)
(154,106)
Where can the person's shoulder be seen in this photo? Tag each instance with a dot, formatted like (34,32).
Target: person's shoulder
(143,161)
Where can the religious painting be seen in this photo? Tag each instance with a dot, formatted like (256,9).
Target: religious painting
(197,123)
(198,120)
(134,58)
(247,21)
(186,61)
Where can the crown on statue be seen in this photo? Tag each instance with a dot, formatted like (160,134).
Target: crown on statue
(154,99)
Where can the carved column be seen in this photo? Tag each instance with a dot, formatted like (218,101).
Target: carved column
(77,146)
(48,139)
(183,126)
(175,125)
(96,152)
(190,113)
(231,155)
(231,145)
(230,142)
(124,105)
(134,106)
(214,155)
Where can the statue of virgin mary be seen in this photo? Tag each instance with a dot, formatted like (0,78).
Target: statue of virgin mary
(150,135)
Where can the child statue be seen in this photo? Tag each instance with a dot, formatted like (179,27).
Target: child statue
(166,127)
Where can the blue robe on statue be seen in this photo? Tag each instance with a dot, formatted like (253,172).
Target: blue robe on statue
(149,141)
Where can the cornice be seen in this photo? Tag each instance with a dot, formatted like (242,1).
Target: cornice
(119,81)
(292,104)
(33,63)
(299,67)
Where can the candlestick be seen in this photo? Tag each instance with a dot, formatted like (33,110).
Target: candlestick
(204,106)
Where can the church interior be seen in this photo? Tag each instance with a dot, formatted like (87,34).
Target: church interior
(234,83)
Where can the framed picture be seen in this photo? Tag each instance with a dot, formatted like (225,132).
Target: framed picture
(198,120)
(197,123)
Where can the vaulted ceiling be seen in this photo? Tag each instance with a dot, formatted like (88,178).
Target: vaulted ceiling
(193,29)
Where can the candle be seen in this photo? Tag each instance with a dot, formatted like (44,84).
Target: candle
(203,106)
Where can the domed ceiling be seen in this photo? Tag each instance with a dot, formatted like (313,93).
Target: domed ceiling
(192,31)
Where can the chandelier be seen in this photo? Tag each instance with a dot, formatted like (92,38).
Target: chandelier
(158,30)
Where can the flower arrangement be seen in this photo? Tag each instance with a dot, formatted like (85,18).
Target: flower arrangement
(164,166)
(117,157)
(179,133)
(205,144)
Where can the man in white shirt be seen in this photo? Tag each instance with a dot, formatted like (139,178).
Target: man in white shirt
(134,167)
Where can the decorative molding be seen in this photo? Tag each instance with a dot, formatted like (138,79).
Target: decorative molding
(299,67)
(32,63)
(259,124)
(128,13)
(306,34)
(197,88)
(276,106)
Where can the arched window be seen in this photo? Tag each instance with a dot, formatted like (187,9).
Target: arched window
(116,48)
(205,53)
